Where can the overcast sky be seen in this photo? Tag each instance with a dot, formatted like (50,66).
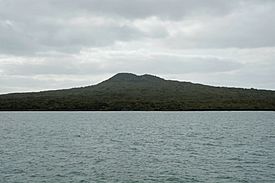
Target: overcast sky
(54,44)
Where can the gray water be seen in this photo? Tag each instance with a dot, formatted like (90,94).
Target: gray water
(137,147)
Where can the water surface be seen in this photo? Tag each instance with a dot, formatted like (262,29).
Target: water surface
(137,147)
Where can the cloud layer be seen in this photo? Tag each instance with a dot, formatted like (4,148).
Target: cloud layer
(54,44)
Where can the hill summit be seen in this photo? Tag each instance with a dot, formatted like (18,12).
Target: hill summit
(127,91)
(129,77)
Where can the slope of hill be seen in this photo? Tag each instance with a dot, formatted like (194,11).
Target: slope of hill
(126,91)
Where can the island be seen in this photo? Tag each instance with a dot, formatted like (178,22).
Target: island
(130,92)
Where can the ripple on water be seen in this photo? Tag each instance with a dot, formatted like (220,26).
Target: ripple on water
(137,147)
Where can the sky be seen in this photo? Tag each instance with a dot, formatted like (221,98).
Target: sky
(53,44)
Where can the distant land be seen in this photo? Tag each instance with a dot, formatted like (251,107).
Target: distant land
(130,92)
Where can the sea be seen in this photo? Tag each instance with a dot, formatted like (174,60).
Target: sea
(137,147)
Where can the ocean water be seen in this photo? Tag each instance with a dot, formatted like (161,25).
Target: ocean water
(128,147)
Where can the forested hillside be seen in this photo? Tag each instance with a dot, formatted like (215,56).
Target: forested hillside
(126,91)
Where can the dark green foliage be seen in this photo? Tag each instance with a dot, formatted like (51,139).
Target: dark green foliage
(130,92)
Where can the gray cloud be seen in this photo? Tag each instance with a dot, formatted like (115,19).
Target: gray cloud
(251,27)
(172,9)
(196,40)
(135,9)
(28,26)
(137,63)
(60,35)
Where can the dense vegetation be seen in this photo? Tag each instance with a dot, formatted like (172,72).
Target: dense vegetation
(126,91)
